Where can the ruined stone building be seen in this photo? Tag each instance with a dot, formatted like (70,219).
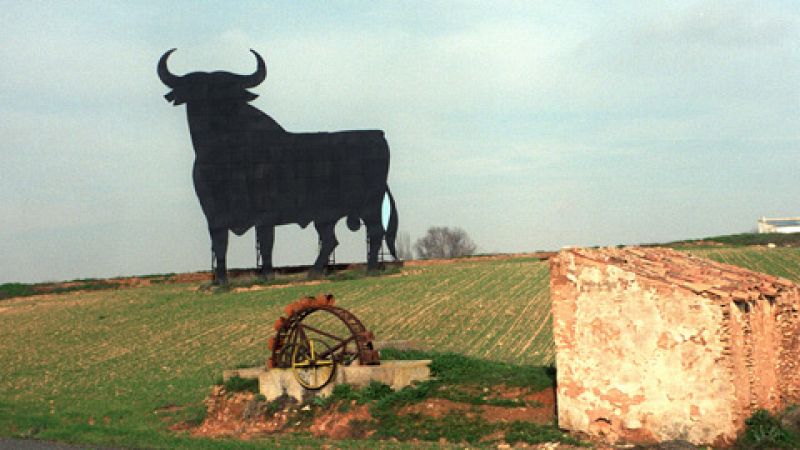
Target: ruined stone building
(653,344)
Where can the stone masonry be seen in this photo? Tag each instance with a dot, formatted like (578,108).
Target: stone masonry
(654,344)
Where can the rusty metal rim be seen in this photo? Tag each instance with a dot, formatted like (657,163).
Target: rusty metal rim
(289,330)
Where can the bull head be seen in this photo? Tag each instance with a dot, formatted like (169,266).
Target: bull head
(210,86)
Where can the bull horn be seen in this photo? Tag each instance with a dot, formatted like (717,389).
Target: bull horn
(164,74)
(258,76)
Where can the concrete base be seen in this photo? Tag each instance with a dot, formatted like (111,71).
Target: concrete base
(274,383)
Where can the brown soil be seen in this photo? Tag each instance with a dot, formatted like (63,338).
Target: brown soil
(259,287)
(192,277)
(243,416)
(543,414)
(238,415)
(438,408)
(337,424)
(406,273)
(110,283)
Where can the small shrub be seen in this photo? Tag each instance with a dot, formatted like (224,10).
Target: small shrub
(342,392)
(764,431)
(10,290)
(239,384)
(272,407)
(343,407)
(345,393)
(375,390)
(407,395)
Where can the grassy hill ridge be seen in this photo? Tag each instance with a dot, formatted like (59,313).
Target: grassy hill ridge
(743,239)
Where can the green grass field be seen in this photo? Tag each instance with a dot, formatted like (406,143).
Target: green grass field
(94,367)
(782,262)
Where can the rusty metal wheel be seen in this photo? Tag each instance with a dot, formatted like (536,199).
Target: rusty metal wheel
(315,335)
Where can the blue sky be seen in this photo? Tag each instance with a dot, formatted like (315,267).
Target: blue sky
(532,125)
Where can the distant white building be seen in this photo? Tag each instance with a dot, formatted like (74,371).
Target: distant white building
(779,225)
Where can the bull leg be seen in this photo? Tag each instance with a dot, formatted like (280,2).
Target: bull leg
(219,248)
(375,234)
(328,240)
(266,238)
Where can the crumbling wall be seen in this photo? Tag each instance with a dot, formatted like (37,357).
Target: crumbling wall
(764,347)
(636,363)
(760,341)
(653,345)
(788,314)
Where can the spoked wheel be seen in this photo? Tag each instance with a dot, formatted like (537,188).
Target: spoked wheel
(316,337)
(313,364)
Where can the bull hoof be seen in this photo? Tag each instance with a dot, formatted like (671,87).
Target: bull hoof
(223,281)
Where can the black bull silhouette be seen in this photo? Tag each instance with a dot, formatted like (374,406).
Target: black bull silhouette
(250,172)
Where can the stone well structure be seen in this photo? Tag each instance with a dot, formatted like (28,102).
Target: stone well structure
(653,344)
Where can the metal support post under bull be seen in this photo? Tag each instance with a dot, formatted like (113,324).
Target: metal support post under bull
(259,257)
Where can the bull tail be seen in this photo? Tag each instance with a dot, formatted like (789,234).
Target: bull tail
(391,231)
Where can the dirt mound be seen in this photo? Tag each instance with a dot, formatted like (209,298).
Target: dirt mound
(241,415)
(245,415)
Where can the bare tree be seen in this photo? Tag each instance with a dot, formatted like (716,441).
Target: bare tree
(444,242)
(403,246)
